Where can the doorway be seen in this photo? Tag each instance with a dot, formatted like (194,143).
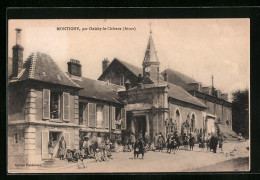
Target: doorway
(56,139)
(210,125)
(141,125)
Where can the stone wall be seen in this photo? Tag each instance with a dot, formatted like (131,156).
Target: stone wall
(16,102)
(184,112)
(15,148)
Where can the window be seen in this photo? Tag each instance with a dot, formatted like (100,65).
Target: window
(92,115)
(113,117)
(120,121)
(16,138)
(192,123)
(99,116)
(177,117)
(122,80)
(81,113)
(53,103)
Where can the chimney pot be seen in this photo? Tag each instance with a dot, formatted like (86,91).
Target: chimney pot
(105,64)
(74,67)
(17,55)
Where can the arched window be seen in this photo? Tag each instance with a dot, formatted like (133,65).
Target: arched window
(177,117)
(192,123)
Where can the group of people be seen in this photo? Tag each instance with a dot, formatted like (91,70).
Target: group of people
(100,148)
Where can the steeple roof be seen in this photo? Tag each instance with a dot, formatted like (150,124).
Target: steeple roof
(150,54)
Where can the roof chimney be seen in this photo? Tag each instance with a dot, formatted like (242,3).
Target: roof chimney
(74,67)
(17,54)
(165,76)
(105,64)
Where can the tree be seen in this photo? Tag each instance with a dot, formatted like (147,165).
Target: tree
(240,113)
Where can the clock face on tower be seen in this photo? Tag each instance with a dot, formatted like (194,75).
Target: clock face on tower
(147,69)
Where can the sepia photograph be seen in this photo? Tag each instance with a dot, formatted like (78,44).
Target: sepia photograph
(128,95)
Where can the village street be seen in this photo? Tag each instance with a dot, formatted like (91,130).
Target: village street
(183,161)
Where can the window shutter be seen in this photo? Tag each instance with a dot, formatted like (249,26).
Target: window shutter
(92,115)
(113,115)
(106,116)
(45,141)
(85,115)
(66,107)
(123,118)
(46,104)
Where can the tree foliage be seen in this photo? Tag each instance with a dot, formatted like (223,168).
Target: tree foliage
(240,112)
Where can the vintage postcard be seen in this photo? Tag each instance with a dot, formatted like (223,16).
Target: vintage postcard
(128,95)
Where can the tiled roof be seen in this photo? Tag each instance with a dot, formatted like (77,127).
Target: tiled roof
(42,67)
(134,69)
(179,79)
(179,93)
(100,90)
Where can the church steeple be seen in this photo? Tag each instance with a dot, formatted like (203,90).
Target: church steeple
(151,62)
(150,53)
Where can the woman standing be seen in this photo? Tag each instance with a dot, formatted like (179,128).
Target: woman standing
(62,147)
(136,150)
(50,147)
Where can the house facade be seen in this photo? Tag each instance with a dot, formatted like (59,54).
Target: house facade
(44,102)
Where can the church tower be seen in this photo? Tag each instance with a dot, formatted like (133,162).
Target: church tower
(151,63)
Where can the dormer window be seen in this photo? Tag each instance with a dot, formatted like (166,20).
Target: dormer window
(122,80)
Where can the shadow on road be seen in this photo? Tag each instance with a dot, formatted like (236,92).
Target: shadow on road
(236,164)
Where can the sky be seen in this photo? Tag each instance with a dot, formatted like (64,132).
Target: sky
(198,48)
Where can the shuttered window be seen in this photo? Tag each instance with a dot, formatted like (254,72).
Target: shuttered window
(92,115)
(113,119)
(85,114)
(46,104)
(123,118)
(105,116)
(66,106)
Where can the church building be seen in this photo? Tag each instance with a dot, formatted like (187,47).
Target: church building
(44,102)
(166,101)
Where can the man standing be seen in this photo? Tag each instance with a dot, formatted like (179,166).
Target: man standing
(62,147)
(214,143)
(141,147)
(156,141)
(192,141)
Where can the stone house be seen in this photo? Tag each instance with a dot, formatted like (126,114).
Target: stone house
(44,102)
